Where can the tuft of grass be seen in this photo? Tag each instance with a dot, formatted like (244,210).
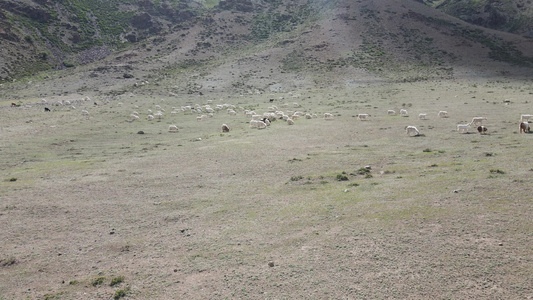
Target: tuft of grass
(98,281)
(296,178)
(496,171)
(363,171)
(342,177)
(117,280)
(8,262)
(121,293)
(427,150)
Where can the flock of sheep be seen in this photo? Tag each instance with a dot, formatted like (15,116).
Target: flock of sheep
(273,113)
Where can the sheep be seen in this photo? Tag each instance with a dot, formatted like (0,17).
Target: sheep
(201,118)
(46,109)
(524,127)
(481,129)
(328,116)
(403,112)
(391,112)
(422,116)
(463,128)
(261,125)
(308,116)
(478,120)
(225,128)
(525,118)
(290,121)
(410,130)
(150,117)
(84,113)
(172,128)
(362,117)
(258,124)
(158,115)
(443,114)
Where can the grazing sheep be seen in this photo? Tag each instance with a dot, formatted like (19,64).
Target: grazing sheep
(482,129)
(422,116)
(84,113)
(158,115)
(258,124)
(391,112)
(225,128)
(290,121)
(266,121)
(261,125)
(150,117)
(403,112)
(412,131)
(443,114)
(172,128)
(308,116)
(478,120)
(525,118)
(524,127)
(362,117)
(328,116)
(463,128)
(201,118)
(46,109)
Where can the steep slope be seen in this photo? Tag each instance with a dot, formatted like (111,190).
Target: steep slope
(515,16)
(244,46)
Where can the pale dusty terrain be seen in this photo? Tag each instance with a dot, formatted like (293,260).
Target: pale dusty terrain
(261,214)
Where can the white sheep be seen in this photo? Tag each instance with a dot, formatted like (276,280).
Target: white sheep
(328,116)
(201,118)
(362,117)
(422,116)
(172,128)
(443,114)
(391,112)
(403,112)
(225,128)
(478,120)
(290,121)
(463,128)
(150,117)
(412,131)
(84,113)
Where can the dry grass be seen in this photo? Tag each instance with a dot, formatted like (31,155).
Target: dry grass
(260,214)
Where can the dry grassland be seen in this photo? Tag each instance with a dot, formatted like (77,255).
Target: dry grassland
(267,214)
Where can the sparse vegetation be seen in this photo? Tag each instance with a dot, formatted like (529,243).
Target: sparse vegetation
(117,280)
(98,281)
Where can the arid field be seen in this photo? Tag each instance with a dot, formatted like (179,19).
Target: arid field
(323,209)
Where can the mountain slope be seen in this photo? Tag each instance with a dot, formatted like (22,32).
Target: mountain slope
(246,46)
